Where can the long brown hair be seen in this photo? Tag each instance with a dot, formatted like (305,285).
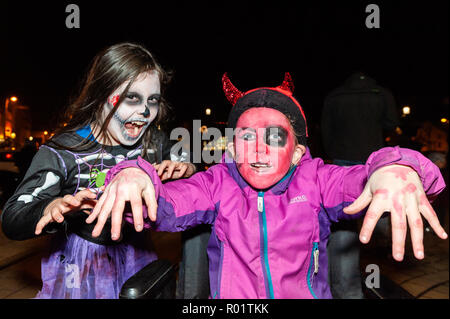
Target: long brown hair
(109,69)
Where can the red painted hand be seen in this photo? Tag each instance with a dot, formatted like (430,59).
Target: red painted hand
(397,189)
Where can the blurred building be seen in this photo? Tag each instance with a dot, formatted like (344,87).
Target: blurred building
(432,138)
(15,121)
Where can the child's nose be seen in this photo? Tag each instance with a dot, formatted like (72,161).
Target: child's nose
(261,146)
(146,111)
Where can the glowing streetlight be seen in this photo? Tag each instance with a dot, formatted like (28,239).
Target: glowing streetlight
(406,110)
(13,99)
(13,135)
(45,133)
(444,120)
(208,111)
(30,138)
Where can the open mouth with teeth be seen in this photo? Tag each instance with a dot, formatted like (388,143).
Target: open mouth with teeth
(260,166)
(134,128)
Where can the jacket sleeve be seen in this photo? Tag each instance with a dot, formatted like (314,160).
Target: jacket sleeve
(340,185)
(182,204)
(41,185)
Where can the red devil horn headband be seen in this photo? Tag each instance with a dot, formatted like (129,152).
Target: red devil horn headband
(287,84)
(233,94)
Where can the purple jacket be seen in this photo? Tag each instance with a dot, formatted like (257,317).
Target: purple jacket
(271,244)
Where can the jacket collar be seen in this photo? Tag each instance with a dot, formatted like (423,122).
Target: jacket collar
(276,189)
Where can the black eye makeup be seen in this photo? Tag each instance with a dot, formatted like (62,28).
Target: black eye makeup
(134,98)
(247,134)
(154,99)
(275,136)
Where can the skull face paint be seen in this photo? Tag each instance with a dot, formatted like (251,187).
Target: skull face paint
(264,146)
(136,111)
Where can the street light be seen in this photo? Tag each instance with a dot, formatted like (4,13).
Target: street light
(406,110)
(208,111)
(4,114)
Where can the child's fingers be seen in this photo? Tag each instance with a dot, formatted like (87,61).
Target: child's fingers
(428,212)
(377,207)
(116,216)
(399,228)
(171,168)
(57,213)
(98,207)
(71,200)
(150,202)
(181,172)
(104,213)
(415,226)
(136,208)
(373,215)
(85,194)
(360,203)
(162,166)
(46,219)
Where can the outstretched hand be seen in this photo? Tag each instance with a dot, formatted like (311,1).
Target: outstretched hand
(129,185)
(396,189)
(174,170)
(54,212)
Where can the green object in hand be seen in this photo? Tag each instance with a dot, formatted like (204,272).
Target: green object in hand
(100,179)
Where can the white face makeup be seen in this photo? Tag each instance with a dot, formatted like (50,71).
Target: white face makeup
(137,110)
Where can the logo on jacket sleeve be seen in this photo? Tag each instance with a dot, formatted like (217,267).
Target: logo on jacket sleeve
(298,199)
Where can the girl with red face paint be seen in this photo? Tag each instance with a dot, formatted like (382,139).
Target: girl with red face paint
(271,204)
(114,118)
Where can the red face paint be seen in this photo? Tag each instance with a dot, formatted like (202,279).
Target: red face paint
(264,146)
(397,206)
(113,100)
(401,172)
(410,188)
(383,192)
(424,201)
(418,222)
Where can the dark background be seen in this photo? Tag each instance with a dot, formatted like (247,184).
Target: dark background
(320,42)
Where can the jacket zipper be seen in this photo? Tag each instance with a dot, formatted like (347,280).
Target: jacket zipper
(265,257)
(313,267)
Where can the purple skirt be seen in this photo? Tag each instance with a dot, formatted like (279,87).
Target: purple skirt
(79,269)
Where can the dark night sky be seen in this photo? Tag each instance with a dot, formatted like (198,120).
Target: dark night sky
(319,42)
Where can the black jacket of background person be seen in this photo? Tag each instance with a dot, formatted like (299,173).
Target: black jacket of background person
(354,117)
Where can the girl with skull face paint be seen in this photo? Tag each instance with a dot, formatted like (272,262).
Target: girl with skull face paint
(271,204)
(114,118)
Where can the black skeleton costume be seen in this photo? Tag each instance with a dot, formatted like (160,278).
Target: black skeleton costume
(56,172)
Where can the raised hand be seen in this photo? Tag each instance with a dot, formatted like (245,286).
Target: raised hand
(54,212)
(397,189)
(174,170)
(130,184)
